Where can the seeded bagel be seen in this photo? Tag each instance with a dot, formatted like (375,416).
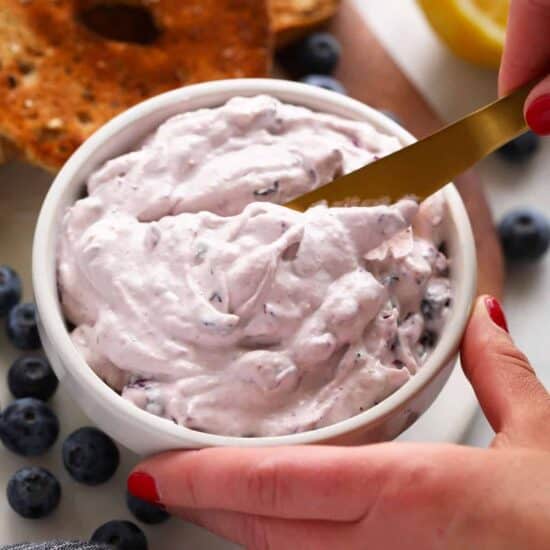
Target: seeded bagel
(68,66)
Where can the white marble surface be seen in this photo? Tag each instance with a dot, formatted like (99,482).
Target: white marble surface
(455,88)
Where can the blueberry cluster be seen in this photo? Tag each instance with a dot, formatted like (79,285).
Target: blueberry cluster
(29,427)
(524,232)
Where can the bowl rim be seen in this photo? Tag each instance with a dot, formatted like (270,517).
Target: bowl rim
(212,94)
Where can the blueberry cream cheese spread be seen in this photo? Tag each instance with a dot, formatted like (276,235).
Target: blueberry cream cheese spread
(201,299)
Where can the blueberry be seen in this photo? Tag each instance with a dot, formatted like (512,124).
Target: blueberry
(428,307)
(524,235)
(428,339)
(144,511)
(10,289)
(90,456)
(120,535)
(326,82)
(443,247)
(432,306)
(33,492)
(520,149)
(317,53)
(21,327)
(28,427)
(32,376)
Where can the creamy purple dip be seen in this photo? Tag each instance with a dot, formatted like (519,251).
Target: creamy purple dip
(202,301)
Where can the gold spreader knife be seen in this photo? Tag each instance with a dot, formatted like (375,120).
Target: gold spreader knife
(427,165)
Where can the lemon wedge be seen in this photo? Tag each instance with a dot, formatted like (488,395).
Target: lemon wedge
(473,29)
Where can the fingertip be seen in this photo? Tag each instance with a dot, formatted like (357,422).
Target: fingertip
(495,311)
(537,115)
(506,386)
(487,327)
(537,108)
(146,479)
(142,485)
(488,311)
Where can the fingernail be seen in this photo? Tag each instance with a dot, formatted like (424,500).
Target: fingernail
(496,313)
(143,486)
(538,115)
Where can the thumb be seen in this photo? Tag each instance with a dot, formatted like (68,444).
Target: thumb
(537,108)
(514,401)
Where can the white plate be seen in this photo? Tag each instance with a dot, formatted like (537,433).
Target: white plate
(83,508)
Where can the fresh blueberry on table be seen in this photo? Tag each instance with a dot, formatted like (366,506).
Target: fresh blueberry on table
(524,235)
(28,427)
(32,376)
(521,148)
(21,327)
(33,492)
(90,456)
(326,82)
(10,289)
(317,53)
(145,511)
(120,535)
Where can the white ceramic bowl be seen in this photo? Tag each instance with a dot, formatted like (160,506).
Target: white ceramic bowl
(144,433)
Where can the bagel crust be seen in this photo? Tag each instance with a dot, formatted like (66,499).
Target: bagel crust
(293,19)
(60,80)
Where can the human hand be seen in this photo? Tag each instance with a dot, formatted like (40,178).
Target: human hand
(527,57)
(386,496)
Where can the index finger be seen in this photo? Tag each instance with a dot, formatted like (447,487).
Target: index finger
(315,482)
(527,49)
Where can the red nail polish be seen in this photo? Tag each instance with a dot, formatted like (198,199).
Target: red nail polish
(538,115)
(143,486)
(496,313)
